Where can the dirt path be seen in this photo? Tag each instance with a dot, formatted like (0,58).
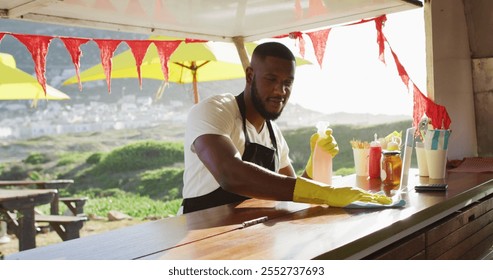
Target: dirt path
(89,228)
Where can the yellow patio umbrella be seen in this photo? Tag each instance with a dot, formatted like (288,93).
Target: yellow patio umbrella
(189,63)
(16,84)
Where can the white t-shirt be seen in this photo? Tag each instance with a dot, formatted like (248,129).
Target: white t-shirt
(220,115)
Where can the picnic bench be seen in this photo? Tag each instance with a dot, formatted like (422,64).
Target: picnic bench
(67,227)
(74,204)
(17,208)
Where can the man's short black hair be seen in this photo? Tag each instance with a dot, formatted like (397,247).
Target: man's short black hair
(274,49)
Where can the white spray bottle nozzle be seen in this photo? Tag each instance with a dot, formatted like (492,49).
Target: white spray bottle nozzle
(322,127)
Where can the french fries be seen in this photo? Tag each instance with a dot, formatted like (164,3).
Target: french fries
(357,144)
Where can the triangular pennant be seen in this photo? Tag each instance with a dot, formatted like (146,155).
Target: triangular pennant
(1,36)
(107,48)
(38,47)
(437,113)
(400,68)
(419,108)
(73,47)
(139,50)
(379,22)
(165,49)
(319,41)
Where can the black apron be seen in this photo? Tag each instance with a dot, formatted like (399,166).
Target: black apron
(254,153)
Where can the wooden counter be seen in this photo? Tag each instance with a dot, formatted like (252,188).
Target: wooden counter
(292,231)
(334,233)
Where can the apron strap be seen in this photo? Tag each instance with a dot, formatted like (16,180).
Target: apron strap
(241,105)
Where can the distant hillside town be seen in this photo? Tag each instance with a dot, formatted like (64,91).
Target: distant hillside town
(18,120)
(55,118)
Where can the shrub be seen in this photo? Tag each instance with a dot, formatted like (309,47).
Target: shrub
(34,175)
(114,192)
(94,158)
(163,183)
(69,158)
(16,172)
(141,155)
(37,158)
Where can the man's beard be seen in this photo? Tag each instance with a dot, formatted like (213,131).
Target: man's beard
(259,106)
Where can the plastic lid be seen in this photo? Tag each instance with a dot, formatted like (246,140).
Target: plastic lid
(393,145)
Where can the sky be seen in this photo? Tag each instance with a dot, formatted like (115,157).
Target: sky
(352,78)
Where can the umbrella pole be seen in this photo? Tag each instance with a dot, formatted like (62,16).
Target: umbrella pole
(195,90)
(240,47)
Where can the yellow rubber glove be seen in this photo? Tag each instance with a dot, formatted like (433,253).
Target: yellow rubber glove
(328,143)
(309,191)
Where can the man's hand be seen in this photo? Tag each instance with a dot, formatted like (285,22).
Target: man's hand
(309,191)
(327,143)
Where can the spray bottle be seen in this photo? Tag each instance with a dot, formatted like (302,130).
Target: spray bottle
(374,166)
(322,160)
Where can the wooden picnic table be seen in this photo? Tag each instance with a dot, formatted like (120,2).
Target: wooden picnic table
(21,203)
(42,184)
(261,229)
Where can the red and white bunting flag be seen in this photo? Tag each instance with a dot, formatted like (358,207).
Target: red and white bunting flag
(73,47)
(37,45)
(139,50)
(319,41)
(379,22)
(107,48)
(165,49)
